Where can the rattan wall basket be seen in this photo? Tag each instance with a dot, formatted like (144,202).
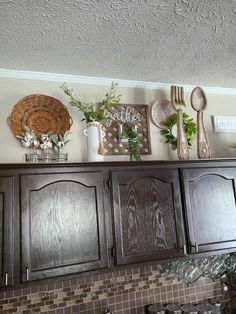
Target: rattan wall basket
(41,114)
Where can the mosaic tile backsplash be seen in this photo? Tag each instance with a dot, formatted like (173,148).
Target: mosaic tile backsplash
(124,292)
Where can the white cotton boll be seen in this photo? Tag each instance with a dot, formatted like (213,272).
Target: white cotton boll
(44,137)
(25,143)
(35,143)
(29,137)
(43,146)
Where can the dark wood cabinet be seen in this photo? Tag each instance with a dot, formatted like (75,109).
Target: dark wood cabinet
(6,231)
(63,219)
(209,195)
(63,224)
(147,215)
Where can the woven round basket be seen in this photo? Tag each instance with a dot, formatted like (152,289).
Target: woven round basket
(41,114)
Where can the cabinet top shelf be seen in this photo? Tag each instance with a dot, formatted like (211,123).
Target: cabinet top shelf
(163,163)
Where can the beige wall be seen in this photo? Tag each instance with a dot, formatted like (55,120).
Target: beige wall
(12,90)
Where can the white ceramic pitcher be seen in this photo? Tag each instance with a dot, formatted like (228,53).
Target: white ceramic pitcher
(94,138)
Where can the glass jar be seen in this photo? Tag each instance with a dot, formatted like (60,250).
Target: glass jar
(60,155)
(189,309)
(204,308)
(47,155)
(174,308)
(156,308)
(32,156)
(215,306)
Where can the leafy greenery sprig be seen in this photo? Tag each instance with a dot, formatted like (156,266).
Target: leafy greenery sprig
(189,126)
(60,140)
(89,110)
(47,141)
(133,145)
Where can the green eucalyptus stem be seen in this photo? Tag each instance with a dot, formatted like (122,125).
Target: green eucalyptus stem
(89,110)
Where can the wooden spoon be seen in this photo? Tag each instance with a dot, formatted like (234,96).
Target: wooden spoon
(199,104)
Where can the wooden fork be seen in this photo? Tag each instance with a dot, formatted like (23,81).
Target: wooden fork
(177,99)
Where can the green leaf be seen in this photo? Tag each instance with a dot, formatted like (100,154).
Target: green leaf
(54,138)
(88,109)
(189,124)
(164,131)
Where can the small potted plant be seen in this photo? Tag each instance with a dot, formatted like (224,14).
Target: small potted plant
(93,116)
(189,126)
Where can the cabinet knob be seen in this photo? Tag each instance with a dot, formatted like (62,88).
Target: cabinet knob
(6,279)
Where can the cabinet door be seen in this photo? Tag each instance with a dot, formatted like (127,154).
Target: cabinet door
(63,226)
(147,215)
(210,208)
(6,231)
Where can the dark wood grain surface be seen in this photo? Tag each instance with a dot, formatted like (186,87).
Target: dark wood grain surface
(138,211)
(63,227)
(1,230)
(6,231)
(211,209)
(147,216)
(147,213)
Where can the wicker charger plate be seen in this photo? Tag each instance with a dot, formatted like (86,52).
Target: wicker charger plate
(41,114)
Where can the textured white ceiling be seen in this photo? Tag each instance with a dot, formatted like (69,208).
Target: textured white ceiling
(169,41)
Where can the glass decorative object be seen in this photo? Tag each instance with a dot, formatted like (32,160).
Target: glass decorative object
(47,155)
(191,270)
(60,156)
(33,156)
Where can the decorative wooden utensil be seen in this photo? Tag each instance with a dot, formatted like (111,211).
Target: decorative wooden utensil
(199,104)
(177,99)
(161,110)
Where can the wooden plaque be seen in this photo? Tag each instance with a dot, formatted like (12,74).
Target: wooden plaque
(124,115)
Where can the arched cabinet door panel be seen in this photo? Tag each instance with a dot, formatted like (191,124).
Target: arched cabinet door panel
(63,224)
(209,195)
(6,231)
(147,215)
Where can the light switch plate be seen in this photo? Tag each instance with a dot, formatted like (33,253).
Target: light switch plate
(224,124)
